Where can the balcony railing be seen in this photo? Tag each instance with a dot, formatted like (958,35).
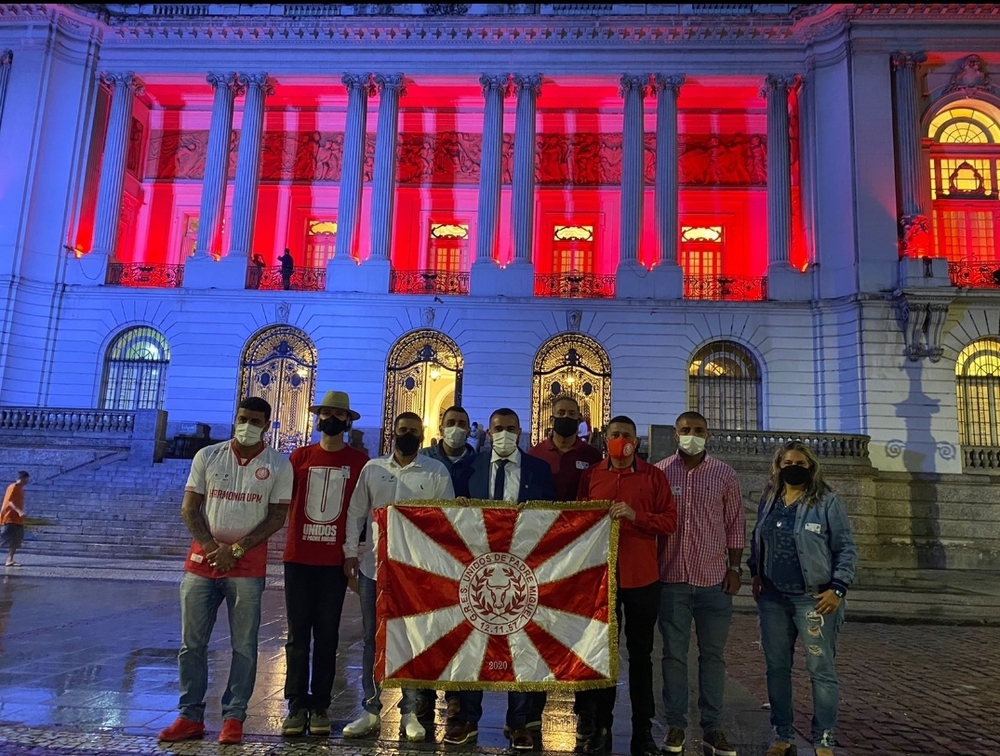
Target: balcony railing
(272,279)
(57,420)
(827,446)
(575,285)
(428,282)
(145,275)
(984,275)
(728,288)
(981,458)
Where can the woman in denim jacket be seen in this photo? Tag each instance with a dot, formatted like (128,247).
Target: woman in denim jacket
(802,560)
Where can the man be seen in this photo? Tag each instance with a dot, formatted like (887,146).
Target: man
(503,474)
(700,573)
(287,270)
(568,455)
(454,452)
(403,475)
(315,583)
(12,517)
(236,497)
(643,503)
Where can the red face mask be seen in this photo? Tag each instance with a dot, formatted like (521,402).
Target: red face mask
(621,448)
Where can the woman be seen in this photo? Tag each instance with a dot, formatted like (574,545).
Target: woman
(802,559)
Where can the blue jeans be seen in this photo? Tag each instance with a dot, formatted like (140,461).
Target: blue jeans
(200,601)
(519,707)
(784,619)
(369,622)
(712,611)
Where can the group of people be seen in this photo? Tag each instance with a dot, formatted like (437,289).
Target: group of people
(681,541)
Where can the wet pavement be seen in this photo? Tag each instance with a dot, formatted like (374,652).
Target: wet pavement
(88,666)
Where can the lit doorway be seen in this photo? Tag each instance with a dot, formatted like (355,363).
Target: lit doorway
(571,364)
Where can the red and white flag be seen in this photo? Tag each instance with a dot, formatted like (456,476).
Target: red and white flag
(495,597)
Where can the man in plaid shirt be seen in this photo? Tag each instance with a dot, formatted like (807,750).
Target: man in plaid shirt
(699,575)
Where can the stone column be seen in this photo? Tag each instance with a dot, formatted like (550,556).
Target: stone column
(914,227)
(202,271)
(257,87)
(107,218)
(633,90)
(483,276)
(667,181)
(522,213)
(342,271)
(6,59)
(390,88)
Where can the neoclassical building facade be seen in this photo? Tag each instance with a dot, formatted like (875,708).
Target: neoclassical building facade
(785,216)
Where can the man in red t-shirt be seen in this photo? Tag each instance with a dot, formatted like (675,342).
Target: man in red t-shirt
(315,583)
(12,517)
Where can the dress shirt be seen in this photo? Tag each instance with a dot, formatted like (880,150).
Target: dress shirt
(512,475)
(382,482)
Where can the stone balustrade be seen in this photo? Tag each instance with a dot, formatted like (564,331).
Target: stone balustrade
(66,420)
(981,458)
(837,448)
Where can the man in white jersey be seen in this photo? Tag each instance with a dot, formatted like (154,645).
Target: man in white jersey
(403,475)
(236,497)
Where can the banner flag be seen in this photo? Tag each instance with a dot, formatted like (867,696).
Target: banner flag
(494,597)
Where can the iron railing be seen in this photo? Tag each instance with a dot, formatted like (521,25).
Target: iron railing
(981,458)
(575,284)
(298,279)
(984,275)
(145,275)
(728,288)
(428,282)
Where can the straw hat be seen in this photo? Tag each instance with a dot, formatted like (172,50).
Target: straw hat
(336,400)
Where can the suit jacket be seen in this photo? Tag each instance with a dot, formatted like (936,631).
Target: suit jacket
(536,479)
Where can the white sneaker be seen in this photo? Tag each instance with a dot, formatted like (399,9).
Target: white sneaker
(409,726)
(364,725)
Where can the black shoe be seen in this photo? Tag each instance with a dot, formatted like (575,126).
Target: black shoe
(424,709)
(644,746)
(599,743)
(585,726)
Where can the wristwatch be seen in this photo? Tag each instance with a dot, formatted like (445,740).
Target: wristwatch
(839,593)
(238,551)
(737,568)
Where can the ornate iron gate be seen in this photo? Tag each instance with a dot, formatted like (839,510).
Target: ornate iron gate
(575,365)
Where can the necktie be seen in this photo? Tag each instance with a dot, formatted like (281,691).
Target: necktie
(498,483)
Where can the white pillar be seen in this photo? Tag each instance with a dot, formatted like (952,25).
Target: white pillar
(107,218)
(390,88)
(485,274)
(522,214)
(213,190)
(245,191)
(914,226)
(6,59)
(633,89)
(667,181)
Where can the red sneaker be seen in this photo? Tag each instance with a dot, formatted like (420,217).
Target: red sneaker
(232,732)
(182,729)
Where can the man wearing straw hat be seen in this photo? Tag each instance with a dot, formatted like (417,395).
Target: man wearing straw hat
(315,584)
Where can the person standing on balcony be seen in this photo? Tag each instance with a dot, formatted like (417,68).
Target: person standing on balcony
(802,560)
(643,504)
(569,456)
(259,265)
(287,269)
(700,573)
(12,517)
(236,497)
(403,475)
(315,584)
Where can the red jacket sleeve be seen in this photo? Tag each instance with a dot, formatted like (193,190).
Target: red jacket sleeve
(583,489)
(661,519)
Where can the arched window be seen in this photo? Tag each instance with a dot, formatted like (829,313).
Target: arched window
(135,370)
(965,155)
(279,365)
(575,365)
(724,386)
(423,375)
(977,383)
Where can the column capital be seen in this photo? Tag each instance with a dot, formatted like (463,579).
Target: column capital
(124,79)
(228,80)
(662,83)
(531,84)
(6,57)
(499,83)
(637,83)
(900,59)
(361,82)
(257,80)
(391,82)
(778,84)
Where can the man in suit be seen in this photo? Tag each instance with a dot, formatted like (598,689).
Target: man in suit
(503,474)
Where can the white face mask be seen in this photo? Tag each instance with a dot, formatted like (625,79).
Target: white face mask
(691,445)
(504,443)
(455,436)
(248,435)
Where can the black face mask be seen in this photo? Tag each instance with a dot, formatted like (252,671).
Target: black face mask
(333,426)
(407,444)
(793,475)
(565,426)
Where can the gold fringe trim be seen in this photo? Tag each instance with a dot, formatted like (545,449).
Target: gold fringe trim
(494,504)
(517,687)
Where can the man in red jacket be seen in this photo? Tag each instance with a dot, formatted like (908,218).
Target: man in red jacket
(643,503)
